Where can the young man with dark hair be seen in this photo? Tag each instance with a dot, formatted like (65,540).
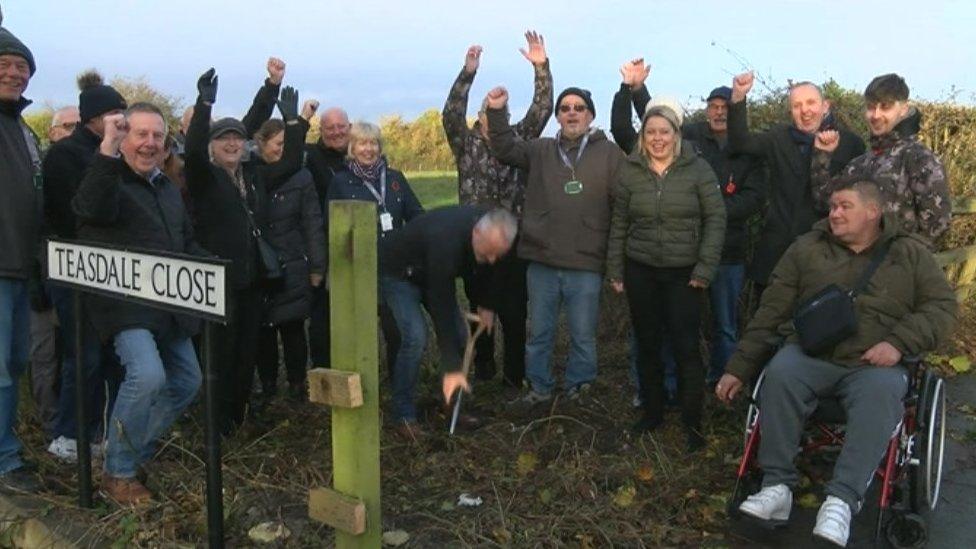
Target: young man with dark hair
(912,179)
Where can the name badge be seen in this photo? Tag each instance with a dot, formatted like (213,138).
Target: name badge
(573,187)
(386,222)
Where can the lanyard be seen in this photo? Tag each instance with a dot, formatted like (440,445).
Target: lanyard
(579,154)
(381,195)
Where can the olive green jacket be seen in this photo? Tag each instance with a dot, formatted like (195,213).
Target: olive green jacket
(907,302)
(673,220)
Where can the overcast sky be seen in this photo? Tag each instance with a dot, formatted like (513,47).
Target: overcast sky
(376,58)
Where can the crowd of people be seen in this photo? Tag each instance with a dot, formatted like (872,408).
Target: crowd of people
(660,213)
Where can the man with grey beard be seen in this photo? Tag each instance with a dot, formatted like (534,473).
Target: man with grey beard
(565,223)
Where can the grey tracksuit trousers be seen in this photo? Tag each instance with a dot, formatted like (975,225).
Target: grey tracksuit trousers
(872,398)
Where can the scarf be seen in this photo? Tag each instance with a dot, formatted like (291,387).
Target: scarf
(370,172)
(804,140)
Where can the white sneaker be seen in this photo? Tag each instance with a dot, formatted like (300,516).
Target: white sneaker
(67,449)
(772,503)
(64,448)
(834,521)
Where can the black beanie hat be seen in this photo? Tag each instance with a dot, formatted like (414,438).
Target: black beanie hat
(96,98)
(10,45)
(579,92)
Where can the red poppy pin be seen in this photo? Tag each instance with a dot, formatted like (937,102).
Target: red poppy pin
(395,186)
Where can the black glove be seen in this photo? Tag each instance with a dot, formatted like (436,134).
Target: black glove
(207,86)
(288,103)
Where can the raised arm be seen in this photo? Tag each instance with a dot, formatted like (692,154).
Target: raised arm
(540,110)
(97,200)
(264,101)
(632,90)
(453,117)
(198,133)
(501,136)
(295,129)
(741,140)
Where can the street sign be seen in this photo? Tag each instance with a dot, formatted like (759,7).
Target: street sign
(190,284)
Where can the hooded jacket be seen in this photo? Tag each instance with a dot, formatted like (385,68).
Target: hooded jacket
(907,302)
(911,177)
(20,187)
(559,229)
(791,210)
(673,220)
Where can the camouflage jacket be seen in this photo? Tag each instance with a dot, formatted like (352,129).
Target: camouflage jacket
(482,179)
(910,175)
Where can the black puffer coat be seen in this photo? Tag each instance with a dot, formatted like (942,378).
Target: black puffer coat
(295,230)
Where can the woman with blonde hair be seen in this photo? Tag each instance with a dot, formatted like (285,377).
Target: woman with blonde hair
(664,247)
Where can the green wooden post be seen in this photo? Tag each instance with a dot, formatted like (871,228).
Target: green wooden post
(356,431)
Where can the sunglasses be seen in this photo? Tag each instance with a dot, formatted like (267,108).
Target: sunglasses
(567,108)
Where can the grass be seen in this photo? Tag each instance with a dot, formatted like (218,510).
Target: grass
(434,189)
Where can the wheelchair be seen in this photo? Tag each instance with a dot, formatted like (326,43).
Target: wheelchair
(910,473)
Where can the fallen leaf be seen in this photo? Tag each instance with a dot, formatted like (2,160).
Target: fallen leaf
(395,538)
(268,532)
(625,496)
(526,463)
(545,496)
(502,535)
(645,473)
(960,363)
(585,541)
(808,501)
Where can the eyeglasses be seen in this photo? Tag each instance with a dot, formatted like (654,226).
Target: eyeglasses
(567,108)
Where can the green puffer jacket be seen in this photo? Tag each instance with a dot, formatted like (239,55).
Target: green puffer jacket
(674,220)
(907,302)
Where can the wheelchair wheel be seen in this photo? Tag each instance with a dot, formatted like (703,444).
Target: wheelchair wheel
(906,531)
(927,460)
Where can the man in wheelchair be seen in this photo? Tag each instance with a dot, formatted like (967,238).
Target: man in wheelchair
(899,304)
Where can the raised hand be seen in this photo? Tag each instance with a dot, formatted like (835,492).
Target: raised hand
(536,52)
(276,70)
(741,85)
(472,59)
(827,141)
(627,73)
(309,108)
(116,129)
(288,103)
(497,98)
(207,86)
(639,72)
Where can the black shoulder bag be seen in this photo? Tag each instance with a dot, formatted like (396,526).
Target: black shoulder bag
(827,318)
(267,255)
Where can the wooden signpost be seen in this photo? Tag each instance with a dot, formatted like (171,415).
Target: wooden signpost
(350,387)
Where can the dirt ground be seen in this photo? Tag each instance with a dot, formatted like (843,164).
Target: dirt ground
(570,475)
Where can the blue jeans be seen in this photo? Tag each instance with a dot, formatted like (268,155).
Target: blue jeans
(405,301)
(91,357)
(14,349)
(550,288)
(162,378)
(724,292)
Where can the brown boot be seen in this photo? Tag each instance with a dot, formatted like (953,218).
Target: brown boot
(125,491)
(409,431)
